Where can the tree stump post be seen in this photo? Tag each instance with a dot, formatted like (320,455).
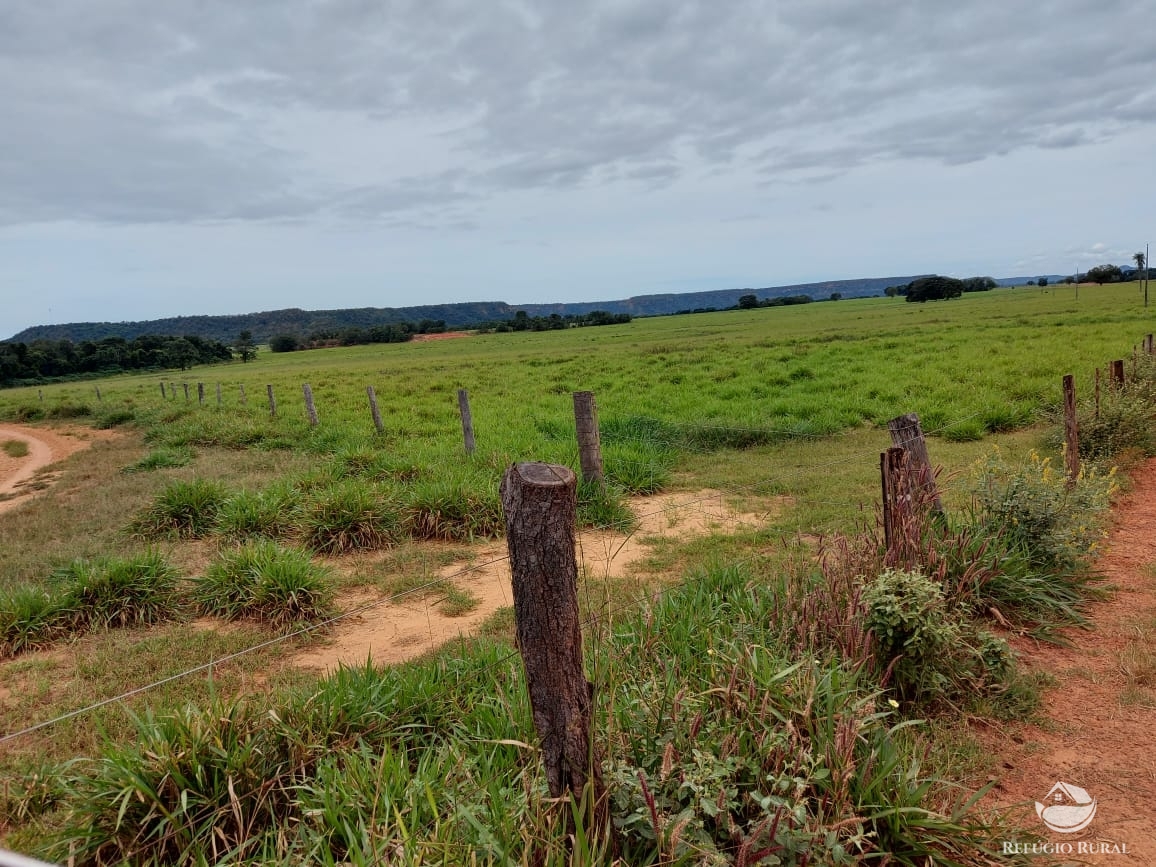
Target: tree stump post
(201,393)
(1071,431)
(896,499)
(467,420)
(309,406)
(907,434)
(589,443)
(1118,373)
(373,410)
(218,394)
(99,399)
(1148,344)
(242,387)
(163,395)
(540,505)
(272,400)
(186,387)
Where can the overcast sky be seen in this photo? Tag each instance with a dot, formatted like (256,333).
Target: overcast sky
(168,158)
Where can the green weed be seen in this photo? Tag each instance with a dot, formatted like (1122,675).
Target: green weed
(349,516)
(263,581)
(15,448)
(183,510)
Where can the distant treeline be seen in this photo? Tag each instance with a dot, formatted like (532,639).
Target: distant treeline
(54,360)
(399,332)
(936,288)
(523,321)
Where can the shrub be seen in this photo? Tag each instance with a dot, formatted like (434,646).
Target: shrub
(183,510)
(1032,507)
(1124,423)
(349,516)
(264,581)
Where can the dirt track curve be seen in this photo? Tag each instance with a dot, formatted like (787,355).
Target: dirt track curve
(24,477)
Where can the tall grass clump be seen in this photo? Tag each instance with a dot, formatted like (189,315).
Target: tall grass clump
(161,459)
(263,581)
(250,514)
(456,511)
(349,516)
(602,506)
(32,618)
(15,448)
(183,510)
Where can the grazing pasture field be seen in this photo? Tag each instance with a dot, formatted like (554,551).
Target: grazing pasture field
(207,529)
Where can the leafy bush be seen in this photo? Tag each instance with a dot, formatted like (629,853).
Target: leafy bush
(1123,424)
(1033,508)
(183,510)
(350,516)
(264,581)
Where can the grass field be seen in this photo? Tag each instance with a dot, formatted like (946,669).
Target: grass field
(783,406)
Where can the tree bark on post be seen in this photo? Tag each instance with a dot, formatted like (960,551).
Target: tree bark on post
(373,410)
(185,385)
(1071,431)
(1148,344)
(163,395)
(1118,373)
(200,393)
(242,387)
(309,407)
(272,400)
(218,394)
(896,500)
(907,434)
(467,420)
(589,443)
(540,506)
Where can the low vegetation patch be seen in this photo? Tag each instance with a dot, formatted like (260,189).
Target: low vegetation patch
(161,459)
(183,510)
(264,581)
(349,516)
(15,448)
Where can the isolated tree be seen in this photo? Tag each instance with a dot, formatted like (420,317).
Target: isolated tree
(934,288)
(1102,274)
(284,343)
(1043,281)
(748,302)
(1141,260)
(244,347)
(836,296)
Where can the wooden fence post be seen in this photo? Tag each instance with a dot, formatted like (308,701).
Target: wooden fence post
(907,434)
(99,399)
(163,395)
(1071,431)
(40,391)
(218,394)
(186,385)
(467,420)
(1148,344)
(896,497)
(373,410)
(589,442)
(272,400)
(309,407)
(540,505)
(242,387)
(200,392)
(1118,373)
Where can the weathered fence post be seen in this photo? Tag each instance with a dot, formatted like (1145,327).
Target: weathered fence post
(539,502)
(1148,344)
(272,400)
(1097,400)
(99,399)
(589,443)
(40,392)
(218,394)
(467,420)
(373,410)
(309,407)
(200,393)
(1071,431)
(186,385)
(242,387)
(163,395)
(896,497)
(172,391)
(907,434)
(1118,373)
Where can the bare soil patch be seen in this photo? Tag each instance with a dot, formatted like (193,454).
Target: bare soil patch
(1100,719)
(445,335)
(22,478)
(395,632)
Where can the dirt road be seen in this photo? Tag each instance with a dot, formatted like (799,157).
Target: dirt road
(24,477)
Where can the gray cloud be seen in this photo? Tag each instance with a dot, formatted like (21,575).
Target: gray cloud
(127,111)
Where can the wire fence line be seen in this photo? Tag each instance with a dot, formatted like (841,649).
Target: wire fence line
(583,538)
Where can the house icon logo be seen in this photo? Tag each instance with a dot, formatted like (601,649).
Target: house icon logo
(1067,808)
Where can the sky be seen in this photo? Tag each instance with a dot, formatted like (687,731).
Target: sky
(210,157)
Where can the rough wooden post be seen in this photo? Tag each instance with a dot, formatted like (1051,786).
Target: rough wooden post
(907,434)
(1071,431)
(1097,401)
(99,399)
(218,394)
(373,410)
(272,400)
(1118,373)
(242,387)
(163,395)
(186,385)
(200,392)
(589,443)
(896,499)
(309,406)
(467,420)
(40,391)
(539,501)
(172,391)
(1148,344)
